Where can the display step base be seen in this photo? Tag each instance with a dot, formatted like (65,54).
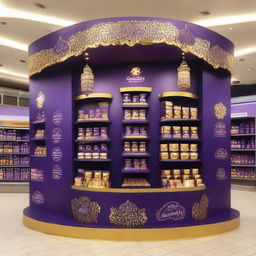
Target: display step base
(14,187)
(54,224)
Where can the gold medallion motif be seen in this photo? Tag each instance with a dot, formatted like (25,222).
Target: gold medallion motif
(131,33)
(127,215)
(220,110)
(85,210)
(199,210)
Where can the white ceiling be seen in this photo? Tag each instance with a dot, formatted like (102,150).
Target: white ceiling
(25,31)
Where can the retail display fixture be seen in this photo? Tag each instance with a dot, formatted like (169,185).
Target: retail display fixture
(130,131)
(14,151)
(243,150)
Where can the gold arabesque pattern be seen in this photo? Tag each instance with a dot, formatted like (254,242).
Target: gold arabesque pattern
(128,215)
(220,110)
(131,32)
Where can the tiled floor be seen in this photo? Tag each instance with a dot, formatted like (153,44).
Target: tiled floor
(17,240)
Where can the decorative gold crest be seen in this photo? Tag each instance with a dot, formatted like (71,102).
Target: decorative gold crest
(40,99)
(131,33)
(85,210)
(135,71)
(128,215)
(199,210)
(220,110)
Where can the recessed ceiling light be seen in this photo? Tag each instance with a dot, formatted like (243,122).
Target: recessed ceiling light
(1,65)
(230,28)
(23,61)
(39,5)
(249,69)
(3,23)
(245,51)
(205,12)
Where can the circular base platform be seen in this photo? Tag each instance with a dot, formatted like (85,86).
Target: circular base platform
(206,228)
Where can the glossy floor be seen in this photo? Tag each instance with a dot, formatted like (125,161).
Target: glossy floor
(17,240)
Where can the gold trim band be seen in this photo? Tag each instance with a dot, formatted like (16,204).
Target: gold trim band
(138,190)
(135,104)
(131,33)
(6,123)
(135,89)
(178,94)
(94,96)
(135,234)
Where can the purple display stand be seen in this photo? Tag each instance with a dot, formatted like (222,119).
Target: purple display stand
(115,46)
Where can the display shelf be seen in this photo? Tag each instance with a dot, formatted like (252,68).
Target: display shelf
(245,134)
(179,139)
(135,138)
(93,121)
(172,120)
(14,166)
(92,160)
(15,181)
(14,140)
(37,156)
(136,89)
(93,96)
(177,94)
(135,121)
(136,187)
(95,140)
(135,154)
(18,154)
(243,150)
(243,165)
(38,139)
(239,178)
(135,105)
(180,161)
(38,122)
(135,170)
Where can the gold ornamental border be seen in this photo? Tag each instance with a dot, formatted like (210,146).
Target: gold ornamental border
(132,234)
(131,33)
(178,94)
(94,96)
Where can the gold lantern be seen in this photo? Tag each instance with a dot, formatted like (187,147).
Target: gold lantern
(87,79)
(183,74)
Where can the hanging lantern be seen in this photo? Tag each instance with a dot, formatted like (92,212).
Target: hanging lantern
(184,75)
(87,79)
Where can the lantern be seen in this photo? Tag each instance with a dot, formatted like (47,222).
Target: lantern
(87,80)
(184,75)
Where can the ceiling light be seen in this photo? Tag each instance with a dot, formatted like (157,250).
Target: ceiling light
(227,20)
(230,28)
(39,5)
(13,44)
(3,23)
(245,51)
(13,13)
(249,69)
(205,12)
(23,61)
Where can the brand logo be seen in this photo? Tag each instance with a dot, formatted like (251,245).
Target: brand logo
(135,76)
(221,174)
(220,130)
(38,197)
(56,154)
(221,153)
(171,211)
(56,135)
(56,172)
(40,99)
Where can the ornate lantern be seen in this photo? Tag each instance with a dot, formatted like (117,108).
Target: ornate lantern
(87,79)
(183,74)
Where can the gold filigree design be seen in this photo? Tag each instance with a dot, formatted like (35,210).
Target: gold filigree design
(220,110)
(85,210)
(132,32)
(199,210)
(128,215)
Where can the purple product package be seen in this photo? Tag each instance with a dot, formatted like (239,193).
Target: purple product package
(96,132)
(135,99)
(136,163)
(126,98)
(136,131)
(104,132)
(98,113)
(91,113)
(143,163)
(128,130)
(127,163)
(143,98)
(127,114)
(103,147)
(142,114)
(143,131)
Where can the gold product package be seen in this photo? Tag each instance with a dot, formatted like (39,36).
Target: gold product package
(163,147)
(166,131)
(103,155)
(195,171)
(189,183)
(177,112)
(135,147)
(193,155)
(88,155)
(194,132)
(185,132)
(185,112)
(164,183)
(166,109)
(164,155)
(97,175)
(186,171)
(185,177)
(171,183)
(95,155)
(178,184)
(127,146)
(176,132)
(165,173)
(173,147)
(142,114)
(184,147)
(193,147)
(135,114)
(142,146)
(174,155)
(184,155)
(176,171)
(197,176)
(193,113)
(127,114)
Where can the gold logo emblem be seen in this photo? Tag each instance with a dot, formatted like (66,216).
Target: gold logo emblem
(85,210)
(135,71)
(220,110)
(199,210)
(40,99)
(128,215)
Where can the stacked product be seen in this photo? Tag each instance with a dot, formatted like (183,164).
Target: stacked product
(171,111)
(180,178)
(175,151)
(14,160)
(37,175)
(243,127)
(92,133)
(135,183)
(246,173)
(40,151)
(135,114)
(135,146)
(178,132)
(243,143)
(7,134)
(14,174)
(14,148)
(135,164)
(93,151)
(242,159)
(99,112)
(40,133)
(135,98)
(92,179)
(135,131)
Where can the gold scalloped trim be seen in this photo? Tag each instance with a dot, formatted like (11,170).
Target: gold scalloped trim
(132,32)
